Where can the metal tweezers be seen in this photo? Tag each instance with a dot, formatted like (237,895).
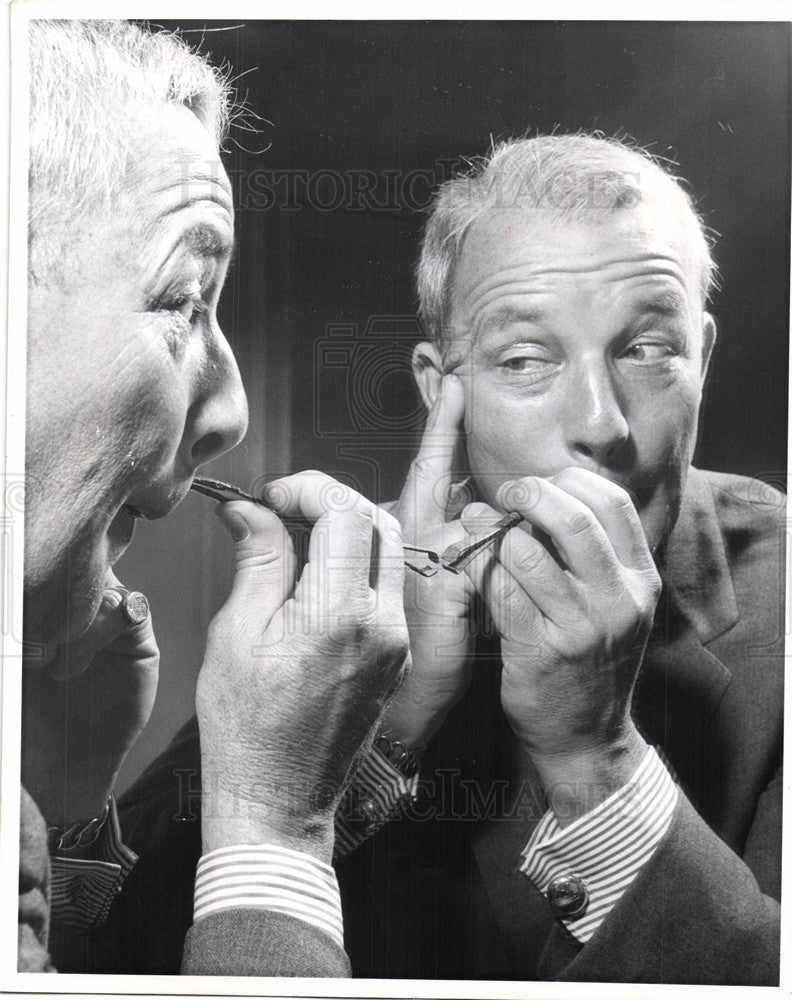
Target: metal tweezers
(425,562)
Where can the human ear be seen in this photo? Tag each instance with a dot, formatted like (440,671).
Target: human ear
(427,366)
(709,334)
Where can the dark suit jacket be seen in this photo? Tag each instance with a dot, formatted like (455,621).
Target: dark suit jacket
(438,894)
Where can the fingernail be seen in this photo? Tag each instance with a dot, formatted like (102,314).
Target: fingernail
(136,607)
(235,523)
(113,597)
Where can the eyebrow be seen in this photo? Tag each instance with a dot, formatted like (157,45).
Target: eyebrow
(202,240)
(206,241)
(506,316)
(664,303)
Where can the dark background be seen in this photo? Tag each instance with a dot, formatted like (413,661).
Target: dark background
(360,120)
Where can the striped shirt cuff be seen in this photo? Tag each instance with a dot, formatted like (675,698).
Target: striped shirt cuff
(85,881)
(269,877)
(606,848)
(376,794)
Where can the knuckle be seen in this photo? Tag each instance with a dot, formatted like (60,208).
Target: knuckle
(643,606)
(420,465)
(579,523)
(570,474)
(503,594)
(652,584)
(477,517)
(620,499)
(423,470)
(528,559)
(394,643)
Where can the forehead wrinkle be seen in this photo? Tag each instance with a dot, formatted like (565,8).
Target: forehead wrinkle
(508,314)
(187,176)
(498,284)
(511,314)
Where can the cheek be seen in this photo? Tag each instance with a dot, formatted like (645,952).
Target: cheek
(507,437)
(663,424)
(149,388)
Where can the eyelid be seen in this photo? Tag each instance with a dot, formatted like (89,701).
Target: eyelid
(531,352)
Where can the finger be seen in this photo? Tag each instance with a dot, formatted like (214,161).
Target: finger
(265,561)
(137,641)
(577,535)
(528,564)
(311,494)
(513,613)
(424,499)
(334,586)
(387,571)
(113,628)
(108,624)
(614,509)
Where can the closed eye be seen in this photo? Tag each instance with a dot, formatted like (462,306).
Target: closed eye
(189,307)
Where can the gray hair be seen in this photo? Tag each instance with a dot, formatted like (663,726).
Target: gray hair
(580,176)
(90,81)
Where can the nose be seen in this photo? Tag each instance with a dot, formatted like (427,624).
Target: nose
(596,424)
(218,415)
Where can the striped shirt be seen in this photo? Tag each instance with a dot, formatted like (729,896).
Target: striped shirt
(607,847)
(377,792)
(83,888)
(269,877)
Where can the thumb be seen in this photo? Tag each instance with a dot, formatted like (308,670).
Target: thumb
(266,566)
(110,623)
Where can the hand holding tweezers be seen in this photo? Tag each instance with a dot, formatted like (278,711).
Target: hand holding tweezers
(426,562)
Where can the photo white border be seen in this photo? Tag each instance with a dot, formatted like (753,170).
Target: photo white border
(17,14)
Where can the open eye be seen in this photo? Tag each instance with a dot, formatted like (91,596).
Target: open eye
(519,363)
(649,350)
(524,359)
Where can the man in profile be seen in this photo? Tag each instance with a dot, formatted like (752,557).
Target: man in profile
(131,386)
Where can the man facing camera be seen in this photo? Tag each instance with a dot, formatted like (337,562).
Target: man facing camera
(131,386)
(603,773)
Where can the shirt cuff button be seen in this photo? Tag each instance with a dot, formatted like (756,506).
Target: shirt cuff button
(568,896)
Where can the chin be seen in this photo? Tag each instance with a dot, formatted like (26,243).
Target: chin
(64,608)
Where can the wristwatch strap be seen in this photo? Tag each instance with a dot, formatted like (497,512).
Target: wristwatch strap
(406,760)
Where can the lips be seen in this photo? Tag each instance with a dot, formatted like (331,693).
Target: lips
(157,502)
